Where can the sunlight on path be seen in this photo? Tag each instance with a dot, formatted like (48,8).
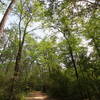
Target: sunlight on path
(36,95)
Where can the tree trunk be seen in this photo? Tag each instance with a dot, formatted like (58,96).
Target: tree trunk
(16,70)
(15,77)
(76,72)
(74,64)
(5,17)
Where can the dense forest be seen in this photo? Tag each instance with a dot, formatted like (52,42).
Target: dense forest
(51,46)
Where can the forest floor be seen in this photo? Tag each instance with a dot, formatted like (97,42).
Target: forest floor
(37,95)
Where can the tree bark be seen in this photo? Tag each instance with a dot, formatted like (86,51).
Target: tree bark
(16,70)
(5,17)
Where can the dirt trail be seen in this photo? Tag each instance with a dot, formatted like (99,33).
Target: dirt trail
(37,95)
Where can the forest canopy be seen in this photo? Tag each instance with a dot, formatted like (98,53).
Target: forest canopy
(51,46)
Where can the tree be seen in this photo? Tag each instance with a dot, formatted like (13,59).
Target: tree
(5,17)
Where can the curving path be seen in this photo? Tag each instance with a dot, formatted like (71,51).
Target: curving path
(37,95)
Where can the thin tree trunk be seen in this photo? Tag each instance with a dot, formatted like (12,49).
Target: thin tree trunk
(75,68)
(16,70)
(74,64)
(5,17)
(15,78)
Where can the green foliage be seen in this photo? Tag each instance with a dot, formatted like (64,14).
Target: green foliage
(50,64)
